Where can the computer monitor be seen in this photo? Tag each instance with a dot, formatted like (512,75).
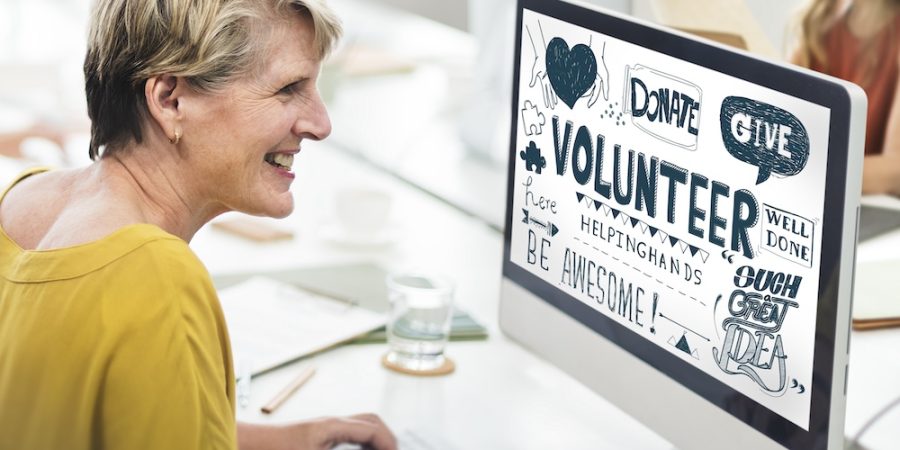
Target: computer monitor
(680,227)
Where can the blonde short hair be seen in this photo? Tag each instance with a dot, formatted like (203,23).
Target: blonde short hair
(208,42)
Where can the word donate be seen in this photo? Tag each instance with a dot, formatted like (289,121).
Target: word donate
(765,136)
(788,235)
(662,105)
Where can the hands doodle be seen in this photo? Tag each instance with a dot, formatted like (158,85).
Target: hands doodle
(601,84)
(539,71)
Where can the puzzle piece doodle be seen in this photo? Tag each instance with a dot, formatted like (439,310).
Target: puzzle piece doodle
(532,119)
(534,162)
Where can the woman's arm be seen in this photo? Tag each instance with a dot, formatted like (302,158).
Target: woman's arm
(881,175)
(318,434)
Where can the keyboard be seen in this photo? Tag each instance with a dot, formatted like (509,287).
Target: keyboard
(410,439)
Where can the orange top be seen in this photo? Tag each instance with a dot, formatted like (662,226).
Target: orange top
(848,60)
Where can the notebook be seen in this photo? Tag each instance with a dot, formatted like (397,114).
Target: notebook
(874,221)
(367,290)
(272,323)
(876,299)
(463,327)
(362,283)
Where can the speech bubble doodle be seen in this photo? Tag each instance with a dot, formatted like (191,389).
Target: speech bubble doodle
(765,136)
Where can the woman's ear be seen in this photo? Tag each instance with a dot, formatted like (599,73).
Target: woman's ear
(163,94)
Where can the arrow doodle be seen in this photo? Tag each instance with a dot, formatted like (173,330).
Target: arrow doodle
(547,226)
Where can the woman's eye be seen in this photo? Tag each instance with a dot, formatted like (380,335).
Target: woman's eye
(289,89)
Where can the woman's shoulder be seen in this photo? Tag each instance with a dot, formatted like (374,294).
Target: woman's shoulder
(51,209)
(158,258)
(36,186)
(33,182)
(160,278)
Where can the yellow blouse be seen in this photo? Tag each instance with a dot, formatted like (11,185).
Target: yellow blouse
(119,343)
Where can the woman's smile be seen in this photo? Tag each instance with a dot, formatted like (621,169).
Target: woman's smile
(282,163)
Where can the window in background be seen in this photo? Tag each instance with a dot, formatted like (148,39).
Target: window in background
(42,106)
(484,126)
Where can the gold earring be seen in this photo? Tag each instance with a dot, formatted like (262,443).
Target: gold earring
(177,137)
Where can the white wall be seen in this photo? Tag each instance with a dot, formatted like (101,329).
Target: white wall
(772,16)
(451,12)
(456,12)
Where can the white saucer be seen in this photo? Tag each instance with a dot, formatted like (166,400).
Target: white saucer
(336,233)
(13,120)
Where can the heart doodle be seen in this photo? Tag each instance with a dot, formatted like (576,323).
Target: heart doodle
(571,72)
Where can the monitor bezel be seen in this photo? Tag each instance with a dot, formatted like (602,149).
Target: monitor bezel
(740,65)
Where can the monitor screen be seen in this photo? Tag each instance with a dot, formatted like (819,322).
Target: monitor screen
(685,202)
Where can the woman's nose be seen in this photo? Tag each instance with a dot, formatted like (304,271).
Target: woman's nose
(313,121)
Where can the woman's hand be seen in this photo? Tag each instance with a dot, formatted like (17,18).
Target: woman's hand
(318,434)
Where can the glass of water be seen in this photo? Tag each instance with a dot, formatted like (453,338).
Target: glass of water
(419,324)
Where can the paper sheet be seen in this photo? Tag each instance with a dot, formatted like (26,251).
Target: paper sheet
(271,323)
(877,291)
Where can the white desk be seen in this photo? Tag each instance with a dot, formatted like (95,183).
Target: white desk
(874,378)
(501,396)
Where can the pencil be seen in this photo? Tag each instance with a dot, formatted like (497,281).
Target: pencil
(301,379)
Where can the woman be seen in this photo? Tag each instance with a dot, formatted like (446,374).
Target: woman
(859,42)
(111,334)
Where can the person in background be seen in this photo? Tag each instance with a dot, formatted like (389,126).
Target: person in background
(859,41)
(111,333)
